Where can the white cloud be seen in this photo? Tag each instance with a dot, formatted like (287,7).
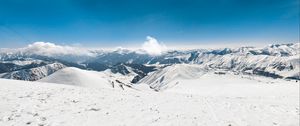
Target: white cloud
(50,49)
(153,47)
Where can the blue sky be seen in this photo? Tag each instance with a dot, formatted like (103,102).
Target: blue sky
(111,23)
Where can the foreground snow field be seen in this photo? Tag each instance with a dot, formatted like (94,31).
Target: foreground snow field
(206,102)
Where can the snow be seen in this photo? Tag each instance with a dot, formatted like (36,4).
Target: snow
(211,84)
(158,79)
(85,78)
(212,99)
(78,77)
(33,74)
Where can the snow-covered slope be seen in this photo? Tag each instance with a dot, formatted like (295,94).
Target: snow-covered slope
(160,79)
(185,75)
(78,77)
(249,103)
(228,84)
(33,74)
(85,78)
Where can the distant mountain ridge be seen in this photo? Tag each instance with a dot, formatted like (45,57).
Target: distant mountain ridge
(276,60)
(33,74)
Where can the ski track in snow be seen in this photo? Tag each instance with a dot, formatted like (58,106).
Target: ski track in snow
(45,104)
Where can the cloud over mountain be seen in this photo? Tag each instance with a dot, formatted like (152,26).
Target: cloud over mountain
(48,49)
(153,47)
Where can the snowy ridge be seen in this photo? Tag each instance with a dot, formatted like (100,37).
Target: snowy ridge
(270,66)
(172,76)
(84,78)
(77,77)
(272,50)
(160,79)
(33,74)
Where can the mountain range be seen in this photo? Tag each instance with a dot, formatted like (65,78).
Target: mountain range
(39,60)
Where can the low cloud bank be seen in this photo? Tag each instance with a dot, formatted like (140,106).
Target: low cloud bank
(151,46)
(49,49)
